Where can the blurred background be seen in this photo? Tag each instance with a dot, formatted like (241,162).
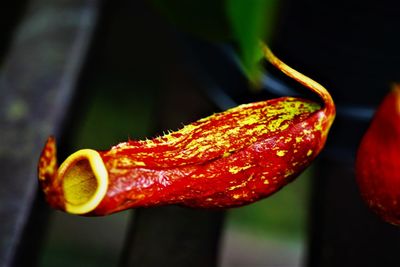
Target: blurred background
(96,73)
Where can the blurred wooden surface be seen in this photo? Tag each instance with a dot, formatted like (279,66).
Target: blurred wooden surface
(37,83)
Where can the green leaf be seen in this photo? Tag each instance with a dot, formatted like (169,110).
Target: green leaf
(244,21)
(251,22)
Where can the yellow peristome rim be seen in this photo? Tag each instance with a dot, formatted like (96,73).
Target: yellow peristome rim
(84,181)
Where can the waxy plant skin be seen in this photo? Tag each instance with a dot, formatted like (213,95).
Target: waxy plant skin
(228,159)
(378,160)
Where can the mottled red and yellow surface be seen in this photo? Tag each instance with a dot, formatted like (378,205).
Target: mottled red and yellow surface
(228,159)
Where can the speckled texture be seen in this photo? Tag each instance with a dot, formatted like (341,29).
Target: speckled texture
(226,160)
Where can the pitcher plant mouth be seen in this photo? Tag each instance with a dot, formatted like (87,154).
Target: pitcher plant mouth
(84,181)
